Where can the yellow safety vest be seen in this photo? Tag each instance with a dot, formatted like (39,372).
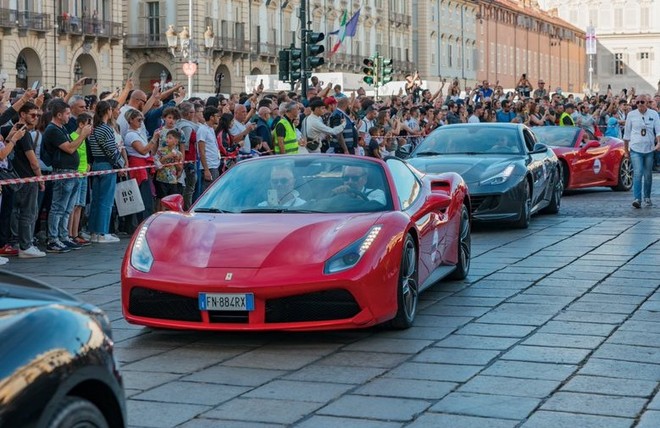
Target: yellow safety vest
(561,119)
(290,138)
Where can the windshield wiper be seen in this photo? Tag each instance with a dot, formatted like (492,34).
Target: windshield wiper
(212,210)
(278,210)
(427,154)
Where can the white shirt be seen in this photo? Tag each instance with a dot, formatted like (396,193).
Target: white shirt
(635,123)
(315,130)
(131,137)
(123,123)
(365,126)
(237,129)
(473,119)
(205,133)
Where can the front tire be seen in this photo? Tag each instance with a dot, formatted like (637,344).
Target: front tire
(625,175)
(408,287)
(557,191)
(464,247)
(525,209)
(76,412)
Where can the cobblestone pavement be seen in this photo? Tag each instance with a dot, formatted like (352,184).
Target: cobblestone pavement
(556,326)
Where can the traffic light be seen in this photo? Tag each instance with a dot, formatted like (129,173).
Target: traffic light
(386,71)
(314,49)
(369,69)
(284,65)
(295,64)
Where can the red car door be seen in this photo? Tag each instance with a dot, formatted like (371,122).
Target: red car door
(589,163)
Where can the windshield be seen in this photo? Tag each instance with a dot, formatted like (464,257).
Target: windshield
(453,139)
(557,136)
(299,184)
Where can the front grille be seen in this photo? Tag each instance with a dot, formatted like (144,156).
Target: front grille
(229,317)
(321,306)
(484,202)
(157,304)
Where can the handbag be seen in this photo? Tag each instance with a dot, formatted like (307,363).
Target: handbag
(312,145)
(10,174)
(128,198)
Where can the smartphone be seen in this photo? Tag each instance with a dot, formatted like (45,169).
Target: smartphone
(89,81)
(13,95)
(35,85)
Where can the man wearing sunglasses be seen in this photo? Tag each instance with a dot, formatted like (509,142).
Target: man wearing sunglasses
(355,181)
(641,139)
(282,191)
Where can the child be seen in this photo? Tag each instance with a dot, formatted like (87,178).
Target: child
(81,200)
(167,175)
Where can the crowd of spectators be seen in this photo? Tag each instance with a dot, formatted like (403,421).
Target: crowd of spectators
(183,145)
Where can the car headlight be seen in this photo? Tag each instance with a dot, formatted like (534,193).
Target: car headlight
(141,257)
(351,255)
(501,177)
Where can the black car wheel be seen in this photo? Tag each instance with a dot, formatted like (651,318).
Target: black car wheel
(464,247)
(557,191)
(408,288)
(76,412)
(525,209)
(625,175)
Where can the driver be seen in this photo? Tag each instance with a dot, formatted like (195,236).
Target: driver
(282,193)
(355,181)
(501,145)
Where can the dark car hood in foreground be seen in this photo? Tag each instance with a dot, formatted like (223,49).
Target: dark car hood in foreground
(473,168)
(16,290)
(253,240)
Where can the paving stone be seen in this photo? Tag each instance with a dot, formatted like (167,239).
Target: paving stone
(473,301)
(495,330)
(161,415)
(655,403)
(420,333)
(610,386)
(650,419)
(208,423)
(460,311)
(439,372)
(240,376)
(577,328)
(594,317)
(406,388)
(621,369)
(176,361)
(530,370)
(642,354)
(641,326)
(564,340)
(551,290)
(456,356)
(513,386)
(396,346)
(363,359)
(532,298)
(490,406)
(607,405)
(479,291)
(433,420)
(333,422)
(385,408)
(476,342)
(563,282)
(612,298)
(545,419)
(318,392)
(273,360)
(335,374)
(192,393)
(440,322)
(261,410)
(601,307)
(543,354)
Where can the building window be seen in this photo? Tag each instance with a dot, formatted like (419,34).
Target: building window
(619,65)
(153,19)
(450,53)
(644,64)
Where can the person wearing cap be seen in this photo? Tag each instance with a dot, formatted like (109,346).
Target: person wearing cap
(566,118)
(313,128)
(540,92)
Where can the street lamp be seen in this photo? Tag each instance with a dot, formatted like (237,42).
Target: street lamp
(21,68)
(77,71)
(3,77)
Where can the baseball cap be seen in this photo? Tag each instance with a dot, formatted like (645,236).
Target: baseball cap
(329,101)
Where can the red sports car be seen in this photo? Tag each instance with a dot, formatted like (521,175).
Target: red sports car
(307,242)
(586,161)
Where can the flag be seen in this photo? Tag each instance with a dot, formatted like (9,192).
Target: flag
(346,29)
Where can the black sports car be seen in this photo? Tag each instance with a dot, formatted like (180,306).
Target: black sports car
(57,368)
(509,174)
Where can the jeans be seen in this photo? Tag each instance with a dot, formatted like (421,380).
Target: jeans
(65,193)
(191,185)
(103,198)
(148,200)
(656,156)
(25,211)
(215,173)
(642,164)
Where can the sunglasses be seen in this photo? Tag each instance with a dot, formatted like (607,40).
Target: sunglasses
(280,180)
(641,102)
(352,177)
(34,115)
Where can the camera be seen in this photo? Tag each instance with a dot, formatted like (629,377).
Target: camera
(89,81)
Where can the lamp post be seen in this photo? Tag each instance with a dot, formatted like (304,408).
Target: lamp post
(163,79)
(77,71)
(183,46)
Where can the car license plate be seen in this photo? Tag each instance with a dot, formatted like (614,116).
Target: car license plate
(226,302)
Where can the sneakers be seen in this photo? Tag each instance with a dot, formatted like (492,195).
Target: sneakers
(3,261)
(647,202)
(636,204)
(31,253)
(57,247)
(81,241)
(84,235)
(8,250)
(105,239)
(70,244)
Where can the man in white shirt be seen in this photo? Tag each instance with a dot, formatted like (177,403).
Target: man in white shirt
(366,124)
(240,131)
(478,111)
(313,128)
(208,146)
(136,102)
(355,179)
(641,138)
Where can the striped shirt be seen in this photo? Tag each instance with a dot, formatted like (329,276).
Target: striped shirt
(102,145)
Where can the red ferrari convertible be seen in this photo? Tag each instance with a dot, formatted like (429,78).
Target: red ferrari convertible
(307,242)
(586,161)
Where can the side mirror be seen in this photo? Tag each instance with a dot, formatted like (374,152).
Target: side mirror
(173,203)
(590,145)
(539,148)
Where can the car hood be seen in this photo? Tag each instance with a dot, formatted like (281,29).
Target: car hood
(253,240)
(17,291)
(473,168)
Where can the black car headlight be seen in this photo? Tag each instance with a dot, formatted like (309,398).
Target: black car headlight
(141,257)
(500,177)
(352,254)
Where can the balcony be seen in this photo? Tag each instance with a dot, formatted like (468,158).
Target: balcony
(11,18)
(232,44)
(75,26)
(403,67)
(144,41)
(268,50)
(400,19)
